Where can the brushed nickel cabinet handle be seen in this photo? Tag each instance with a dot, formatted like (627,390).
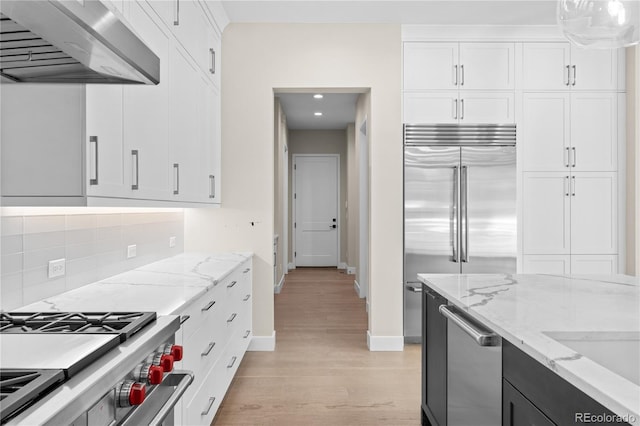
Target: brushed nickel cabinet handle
(232,317)
(232,362)
(208,306)
(568,75)
(461,109)
(209,349)
(246,334)
(208,407)
(184,319)
(573,149)
(134,153)
(574,75)
(566,186)
(212,54)
(455,109)
(573,186)
(232,283)
(455,75)
(93,152)
(176,13)
(212,186)
(246,270)
(568,155)
(247,297)
(462,75)
(176,178)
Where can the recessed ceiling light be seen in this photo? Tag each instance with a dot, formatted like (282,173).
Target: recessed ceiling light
(318,96)
(317,114)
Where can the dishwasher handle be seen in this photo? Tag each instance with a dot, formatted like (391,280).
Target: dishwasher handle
(482,337)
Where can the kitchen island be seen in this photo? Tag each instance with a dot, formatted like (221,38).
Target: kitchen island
(582,329)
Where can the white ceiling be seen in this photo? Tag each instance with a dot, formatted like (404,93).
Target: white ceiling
(338,110)
(432,12)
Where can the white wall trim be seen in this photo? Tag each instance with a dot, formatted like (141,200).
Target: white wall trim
(356,287)
(511,33)
(385,343)
(278,288)
(351,270)
(291,266)
(263,343)
(342,265)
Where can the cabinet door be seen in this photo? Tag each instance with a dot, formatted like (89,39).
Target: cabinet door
(519,411)
(594,265)
(211,149)
(189,29)
(546,264)
(594,124)
(105,149)
(545,65)
(186,88)
(595,69)
(546,213)
(433,107)
(430,66)
(434,352)
(146,110)
(486,107)
(487,66)
(545,131)
(213,55)
(594,213)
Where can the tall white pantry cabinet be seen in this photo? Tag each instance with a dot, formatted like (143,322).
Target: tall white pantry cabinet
(568,106)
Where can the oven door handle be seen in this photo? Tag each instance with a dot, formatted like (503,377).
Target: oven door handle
(167,407)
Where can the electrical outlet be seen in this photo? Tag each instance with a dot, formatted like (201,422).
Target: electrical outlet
(172,242)
(131,251)
(57,268)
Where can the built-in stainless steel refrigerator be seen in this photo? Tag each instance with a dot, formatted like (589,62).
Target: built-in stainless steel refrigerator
(459,206)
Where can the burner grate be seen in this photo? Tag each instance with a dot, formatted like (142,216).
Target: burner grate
(123,323)
(19,388)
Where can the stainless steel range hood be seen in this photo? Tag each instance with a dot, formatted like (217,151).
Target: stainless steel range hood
(73,41)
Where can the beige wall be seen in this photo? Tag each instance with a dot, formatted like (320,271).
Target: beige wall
(279,150)
(633,161)
(259,58)
(321,142)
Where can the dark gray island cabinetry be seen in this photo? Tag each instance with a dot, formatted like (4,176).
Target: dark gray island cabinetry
(434,359)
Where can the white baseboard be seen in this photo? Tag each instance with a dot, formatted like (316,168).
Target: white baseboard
(385,343)
(278,288)
(342,265)
(367,305)
(351,270)
(356,287)
(291,266)
(263,343)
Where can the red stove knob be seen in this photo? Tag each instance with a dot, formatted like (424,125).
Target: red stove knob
(131,393)
(176,351)
(155,374)
(166,362)
(137,393)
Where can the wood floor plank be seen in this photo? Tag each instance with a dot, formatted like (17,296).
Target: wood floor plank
(321,372)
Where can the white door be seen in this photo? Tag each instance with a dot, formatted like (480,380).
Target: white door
(430,66)
(316,210)
(546,213)
(594,125)
(595,69)
(545,131)
(594,213)
(487,66)
(546,66)
(486,107)
(557,264)
(594,264)
(432,107)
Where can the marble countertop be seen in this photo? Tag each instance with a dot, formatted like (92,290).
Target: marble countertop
(534,311)
(164,287)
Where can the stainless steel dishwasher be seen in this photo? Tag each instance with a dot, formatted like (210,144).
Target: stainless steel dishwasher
(474,371)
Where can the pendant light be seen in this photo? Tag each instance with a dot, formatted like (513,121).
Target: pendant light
(600,24)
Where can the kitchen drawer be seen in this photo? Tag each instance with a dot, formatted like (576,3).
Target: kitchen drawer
(201,409)
(201,310)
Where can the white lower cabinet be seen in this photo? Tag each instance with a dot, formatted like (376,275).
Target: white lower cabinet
(570,264)
(594,264)
(557,264)
(216,332)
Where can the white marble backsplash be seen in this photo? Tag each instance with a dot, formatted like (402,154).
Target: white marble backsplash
(94,246)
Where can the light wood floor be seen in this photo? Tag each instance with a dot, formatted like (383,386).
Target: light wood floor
(321,372)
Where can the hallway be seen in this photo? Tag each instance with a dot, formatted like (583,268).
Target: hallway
(321,372)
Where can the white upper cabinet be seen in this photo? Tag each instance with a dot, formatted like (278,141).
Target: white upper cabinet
(435,107)
(545,131)
(486,66)
(560,66)
(486,107)
(430,66)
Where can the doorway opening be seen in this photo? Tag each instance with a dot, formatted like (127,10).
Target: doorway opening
(321,182)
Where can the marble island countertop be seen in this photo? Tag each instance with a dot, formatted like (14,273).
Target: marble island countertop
(584,328)
(164,287)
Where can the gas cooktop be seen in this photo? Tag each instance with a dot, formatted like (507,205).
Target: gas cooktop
(125,324)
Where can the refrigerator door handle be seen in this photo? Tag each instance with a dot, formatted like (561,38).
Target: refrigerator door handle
(453,218)
(464,251)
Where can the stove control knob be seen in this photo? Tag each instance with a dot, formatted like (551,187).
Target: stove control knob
(166,361)
(150,374)
(130,393)
(175,350)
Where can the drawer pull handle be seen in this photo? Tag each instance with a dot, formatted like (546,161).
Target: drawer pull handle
(232,284)
(184,319)
(232,317)
(93,151)
(233,361)
(246,270)
(247,297)
(209,349)
(247,333)
(208,306)
(209,405)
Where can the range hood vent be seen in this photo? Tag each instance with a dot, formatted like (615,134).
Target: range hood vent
(74,41)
